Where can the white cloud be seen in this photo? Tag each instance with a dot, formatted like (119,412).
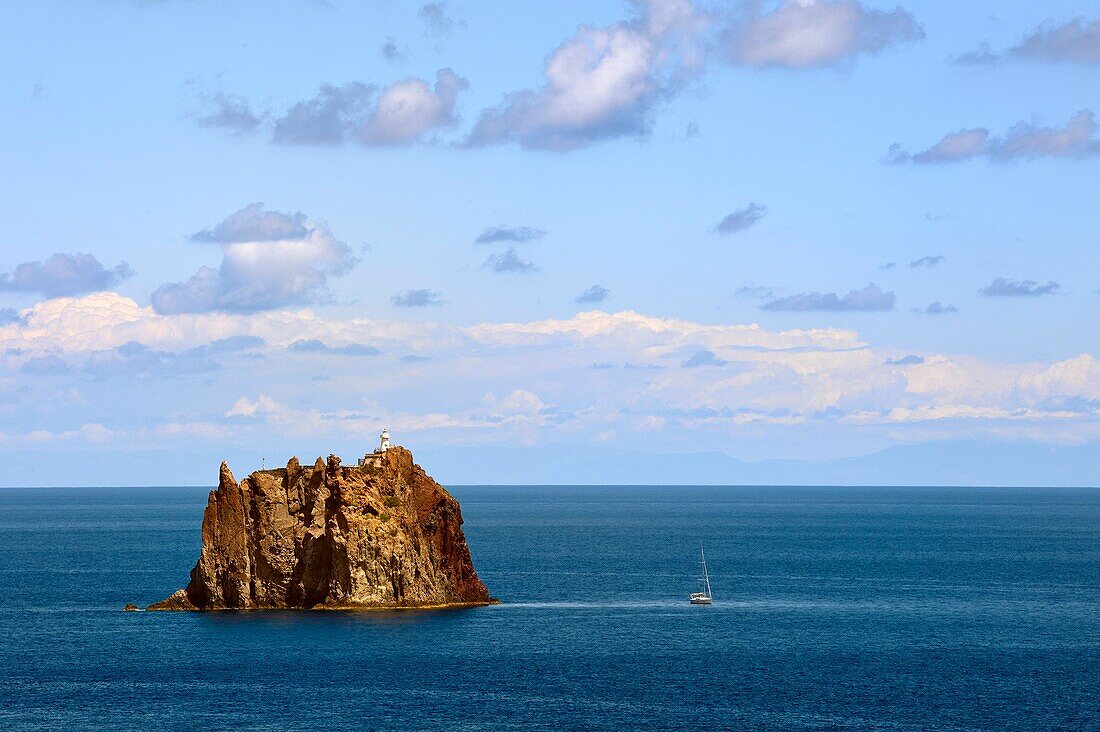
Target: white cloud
(529,381)
(400,114)
(208,431)
(416,299)
(96,434)
(870,298)
(262,405)
(602,82)
(1074,41)
(593,294)
(408,109)
(806,33)
(1024,141)
(523,404)
(741,219)
(437,19)
(509,261)
(105,320)
(64,274)
(269,260)
(228,112)
(92,433)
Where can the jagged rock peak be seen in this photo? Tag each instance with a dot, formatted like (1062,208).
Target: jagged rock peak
(381,536)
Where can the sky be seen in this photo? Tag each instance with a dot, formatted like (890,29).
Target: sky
(795,229)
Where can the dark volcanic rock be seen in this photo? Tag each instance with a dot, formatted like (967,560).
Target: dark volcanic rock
(332,537)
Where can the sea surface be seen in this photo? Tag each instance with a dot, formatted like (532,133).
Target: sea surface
(835,609)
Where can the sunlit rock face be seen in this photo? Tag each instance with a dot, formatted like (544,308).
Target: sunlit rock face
(385,535)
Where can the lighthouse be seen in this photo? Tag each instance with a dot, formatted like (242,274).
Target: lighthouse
(374,459)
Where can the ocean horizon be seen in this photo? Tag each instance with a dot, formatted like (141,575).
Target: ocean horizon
(834,608)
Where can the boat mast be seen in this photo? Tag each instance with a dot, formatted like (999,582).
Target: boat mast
(706,578)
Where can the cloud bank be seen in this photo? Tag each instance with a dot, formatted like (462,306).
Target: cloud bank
(660,381)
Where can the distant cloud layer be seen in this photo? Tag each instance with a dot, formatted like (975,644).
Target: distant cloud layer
(509,261)
(1024,141)
(313,345)
(807,33)
(399,114)
(509,233)
(1005,287)
(593,294)
(64,274)
(416,299)
(1075,41)
(269,260)
(741,219)
(602,83)
(869,298)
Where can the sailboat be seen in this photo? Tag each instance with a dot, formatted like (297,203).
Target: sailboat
(704,597)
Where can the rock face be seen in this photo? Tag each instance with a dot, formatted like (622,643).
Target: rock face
(330,536)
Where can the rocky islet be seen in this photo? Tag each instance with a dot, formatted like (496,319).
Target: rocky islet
(379,535)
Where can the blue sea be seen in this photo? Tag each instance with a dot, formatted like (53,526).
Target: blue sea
(835,609)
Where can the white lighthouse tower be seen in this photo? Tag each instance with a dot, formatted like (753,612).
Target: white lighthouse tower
(374,459)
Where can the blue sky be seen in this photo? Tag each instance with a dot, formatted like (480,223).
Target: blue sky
(710,225)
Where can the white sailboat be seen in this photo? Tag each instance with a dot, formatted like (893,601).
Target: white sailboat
(704,597)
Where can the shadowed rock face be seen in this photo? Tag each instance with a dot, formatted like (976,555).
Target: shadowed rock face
(331,536)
